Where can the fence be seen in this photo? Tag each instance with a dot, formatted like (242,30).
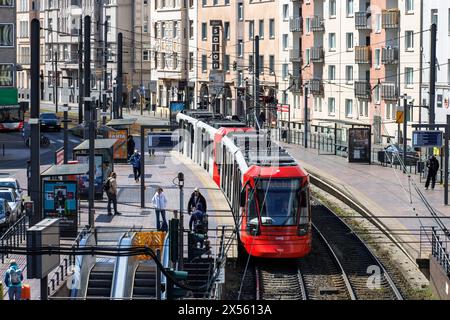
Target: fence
(15,236)
(439,240)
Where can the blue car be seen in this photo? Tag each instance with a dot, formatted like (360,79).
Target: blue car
(50,121)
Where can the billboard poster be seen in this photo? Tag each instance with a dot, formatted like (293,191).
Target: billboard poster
(60,201)
(359,145)
(83,180)
(59,156)
(120,147)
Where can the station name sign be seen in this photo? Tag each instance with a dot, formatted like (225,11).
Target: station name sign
(428,139)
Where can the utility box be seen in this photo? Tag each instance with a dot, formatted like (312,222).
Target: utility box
(42,235)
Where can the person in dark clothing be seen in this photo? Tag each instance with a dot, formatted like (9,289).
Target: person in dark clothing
(196,218)
(135,161)
(433,167)
(130,146)
(195,199)
(262,118)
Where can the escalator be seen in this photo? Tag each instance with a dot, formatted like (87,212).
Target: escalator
(100,281)
(144,284)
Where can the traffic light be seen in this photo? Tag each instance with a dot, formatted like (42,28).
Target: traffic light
(234,66)
(174,292)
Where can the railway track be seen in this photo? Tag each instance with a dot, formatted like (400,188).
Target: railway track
(366,275)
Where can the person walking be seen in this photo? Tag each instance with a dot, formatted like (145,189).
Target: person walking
(196,198)
(433,167)
(111,192)
(13,280)
(196,219)
(135,161)
(130,146)
(159,201)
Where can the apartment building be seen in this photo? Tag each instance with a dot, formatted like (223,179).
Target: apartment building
(62,21)
(8,45)
(437,12)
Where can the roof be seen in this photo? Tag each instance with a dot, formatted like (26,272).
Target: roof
(99,144)
(121,122)
(66,170)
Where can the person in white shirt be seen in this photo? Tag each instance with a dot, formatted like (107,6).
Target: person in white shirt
(159,201)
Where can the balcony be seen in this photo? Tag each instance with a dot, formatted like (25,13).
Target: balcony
(317,24)
(389,91)
(363,90)
(363,55)
(389,55)
(317,55)
(316,87)
(362,21)
(295,55)
(390,19)
(295,24)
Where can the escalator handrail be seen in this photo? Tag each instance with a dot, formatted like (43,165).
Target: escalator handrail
(83,267)
(121,272)
(165,262)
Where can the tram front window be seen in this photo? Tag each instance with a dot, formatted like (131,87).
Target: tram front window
(278,201)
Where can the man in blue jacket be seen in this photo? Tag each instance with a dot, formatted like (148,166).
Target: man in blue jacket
(13,281)
(135,161)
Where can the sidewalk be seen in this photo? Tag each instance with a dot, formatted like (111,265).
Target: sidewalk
(383,190)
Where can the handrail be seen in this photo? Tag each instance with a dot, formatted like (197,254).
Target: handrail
(15,235)
(122,269)
(439,250)
(165,262)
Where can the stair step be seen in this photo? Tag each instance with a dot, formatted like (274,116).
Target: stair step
(144,282)
(144,291)
(98,292)
(99,283)
(144,275)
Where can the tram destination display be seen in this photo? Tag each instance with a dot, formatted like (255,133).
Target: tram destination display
(427,139)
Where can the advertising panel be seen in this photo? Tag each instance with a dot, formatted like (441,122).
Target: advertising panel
(120,147)
(83,180)
(60,201)
(359,145)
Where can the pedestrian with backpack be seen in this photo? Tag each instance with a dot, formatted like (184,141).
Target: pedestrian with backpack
(159,201)
(135,161)
(13,281)
(110,187)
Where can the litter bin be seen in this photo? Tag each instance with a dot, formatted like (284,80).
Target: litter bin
(381,156)
(420,166)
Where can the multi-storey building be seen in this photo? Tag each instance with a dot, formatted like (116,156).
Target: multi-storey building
(8,44)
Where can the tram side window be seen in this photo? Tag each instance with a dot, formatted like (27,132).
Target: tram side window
(304,208)
(252,216)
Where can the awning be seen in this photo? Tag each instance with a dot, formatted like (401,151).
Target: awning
(66,170)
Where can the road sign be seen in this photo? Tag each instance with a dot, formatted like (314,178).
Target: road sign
(283,107)
(400,117)
(427,139)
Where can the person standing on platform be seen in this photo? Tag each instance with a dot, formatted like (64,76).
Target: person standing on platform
(433,168)
(196,198)
(130,146)
(159,201)
(135,161)
(111,191)
(13,281)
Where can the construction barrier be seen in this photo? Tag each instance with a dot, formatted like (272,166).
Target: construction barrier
(154,240)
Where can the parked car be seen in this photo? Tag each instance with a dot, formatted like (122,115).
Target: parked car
(13,200)
(13,184)
(394,152)
(50,121)
(5,214)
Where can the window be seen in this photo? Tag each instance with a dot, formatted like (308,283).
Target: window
(377,58)
(409,40)
(349,8)
(204,31)
(409,6)
(331,106)
(215,2)
(261,64)
(191,29)
(331,72)
(6,75)
(251,29)
(204,3)
(240,48)
(227,30)
(175,29)
(308,56)
(272,64)
(308,25)
(349,73)
(261,29)
(409,77)
(272,28)
(388,111)
(332,41)
(163,60)
(285,12)
(377,95)
(204,63)
(378,20)
(285,41)
(439,99)
(175,61)
(6,3)
(349,40)
(250,63)
(448,21)
(163,30)
(318,104)
(284,70)
(240,11)
(6,35)
(191,61)
(226,63)
(227,2)
(332,8)
(146,55)
(348,108)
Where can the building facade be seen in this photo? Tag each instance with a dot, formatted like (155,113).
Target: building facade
(8,44)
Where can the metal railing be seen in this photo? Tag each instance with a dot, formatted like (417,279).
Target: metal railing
(14,236)
(439,240)
(362,21)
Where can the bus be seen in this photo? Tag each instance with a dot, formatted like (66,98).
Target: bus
(12,114)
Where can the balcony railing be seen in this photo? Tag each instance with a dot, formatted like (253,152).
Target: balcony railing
(362,21)
(362,90)
(295,55)
(389,55)
(316,87)
(389,91)
(317,24)
(295,24)
(363,54)
(390,19)
(317,55)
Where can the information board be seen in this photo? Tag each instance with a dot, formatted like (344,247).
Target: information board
(120,147)
(359,145)
(428,139)
(60,201)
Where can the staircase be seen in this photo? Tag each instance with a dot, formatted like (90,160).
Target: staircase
(144,285)
(100,281)
(199,274)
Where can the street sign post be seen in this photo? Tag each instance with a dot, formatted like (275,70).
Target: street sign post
(427,139)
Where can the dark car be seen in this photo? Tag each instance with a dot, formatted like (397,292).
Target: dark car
(50,121)
(6,215)
(394,152)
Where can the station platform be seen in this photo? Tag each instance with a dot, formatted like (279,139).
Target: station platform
(386,192)
(160,171)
